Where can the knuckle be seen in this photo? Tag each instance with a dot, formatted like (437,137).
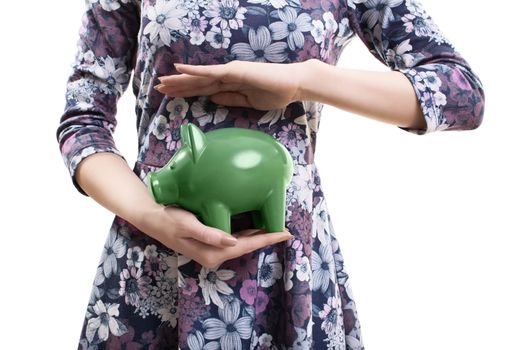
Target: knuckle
(209,263)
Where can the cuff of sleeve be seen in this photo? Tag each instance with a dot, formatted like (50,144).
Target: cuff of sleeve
(426,85)
(73,162)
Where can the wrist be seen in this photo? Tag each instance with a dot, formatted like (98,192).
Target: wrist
(308,76)
(147,216)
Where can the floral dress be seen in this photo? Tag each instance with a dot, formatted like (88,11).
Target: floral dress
(295,294)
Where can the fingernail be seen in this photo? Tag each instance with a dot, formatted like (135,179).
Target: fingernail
(156,87)
(230,241)
(161,79)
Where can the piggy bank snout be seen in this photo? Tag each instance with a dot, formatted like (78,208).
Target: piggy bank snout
(162,187)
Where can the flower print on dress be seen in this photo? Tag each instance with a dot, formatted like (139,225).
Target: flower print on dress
(288,279)
(274,3)
(245,268)
(317,31)
(173,138)
(323,268)
(230,328)
(304,270)
(291,27)
(107,5)
(97,291)
(193,8)
(226,13)
(154,264)
(344,33)
(260,47)
(270,269)
(196,26)
(294,253)
(421,24)
(112,5)
(219,38)
(427,84)
(160,127)
(352,3)
(332,317)
(272,116)
(325,34)
(302,185)
(177,108)
(103,322)
(114,248)
(212,282)
(190,308)
(320,217)
(190,286)
(169,313)
(291,136)
(205,111)
(301,309)
(135,257)
(248,291)
(196,341)
(80,95)
(133,286)
(304,337)
(111,74)
(265,340)
(342,275)
(416,24)
(164,17)
(379,11)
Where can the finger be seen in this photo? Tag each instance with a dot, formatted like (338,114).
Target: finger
(248,232)
(227,98)
(233,71)
(209,235)
(178,92)
(194,87)
(257,241)
(206,255)
(210,70)
(185,80)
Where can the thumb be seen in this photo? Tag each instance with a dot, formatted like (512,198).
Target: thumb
(230,98)
(211,235)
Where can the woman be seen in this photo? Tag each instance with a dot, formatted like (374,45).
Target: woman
(165,280)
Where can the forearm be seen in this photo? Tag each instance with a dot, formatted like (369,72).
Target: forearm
(107,178)
(384,96)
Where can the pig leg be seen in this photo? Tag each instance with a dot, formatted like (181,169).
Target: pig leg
(217,215)
(273,210)
(257,220)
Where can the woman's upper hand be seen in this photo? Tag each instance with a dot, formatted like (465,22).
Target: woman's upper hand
(181,231)
(258,85)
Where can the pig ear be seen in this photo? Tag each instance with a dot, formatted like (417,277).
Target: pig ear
(184,133)
(195,139)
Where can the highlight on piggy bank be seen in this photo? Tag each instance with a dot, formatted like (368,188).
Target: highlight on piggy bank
(225,172)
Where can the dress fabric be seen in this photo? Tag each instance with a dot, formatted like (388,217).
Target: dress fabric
(293,295)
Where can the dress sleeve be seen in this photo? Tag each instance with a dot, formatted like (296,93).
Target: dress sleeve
(100,75)
(403,36)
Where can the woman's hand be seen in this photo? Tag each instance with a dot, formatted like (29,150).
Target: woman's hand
(108,179)
(258,85)
(181,231)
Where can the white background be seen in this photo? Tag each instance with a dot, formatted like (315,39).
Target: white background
(430,226)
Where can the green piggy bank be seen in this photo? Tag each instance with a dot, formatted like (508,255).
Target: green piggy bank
(225,172)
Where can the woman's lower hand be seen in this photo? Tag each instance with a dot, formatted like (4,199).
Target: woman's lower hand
(263,86)
(181,231)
